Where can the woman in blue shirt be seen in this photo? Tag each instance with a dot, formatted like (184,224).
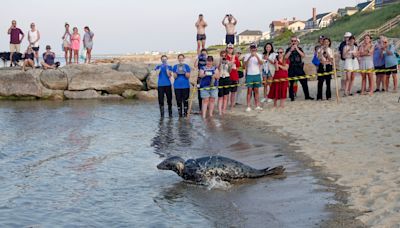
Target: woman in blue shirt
(182,85)
(164,85)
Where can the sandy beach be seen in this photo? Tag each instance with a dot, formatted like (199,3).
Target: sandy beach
(356,142)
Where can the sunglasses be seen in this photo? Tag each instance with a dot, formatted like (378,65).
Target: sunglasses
(280,52)
(294,41)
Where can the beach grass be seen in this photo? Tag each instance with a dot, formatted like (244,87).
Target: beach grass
(357,23)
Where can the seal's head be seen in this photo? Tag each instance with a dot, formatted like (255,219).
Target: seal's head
(175,164)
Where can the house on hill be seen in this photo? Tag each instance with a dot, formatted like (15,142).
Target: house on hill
(366,6)
(380,3)
(296,25)
(276,27)
(347,11)
(319,21)
(249,36)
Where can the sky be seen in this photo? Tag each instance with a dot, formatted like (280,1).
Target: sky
(123,26)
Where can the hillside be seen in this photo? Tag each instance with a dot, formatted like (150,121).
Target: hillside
(357,23)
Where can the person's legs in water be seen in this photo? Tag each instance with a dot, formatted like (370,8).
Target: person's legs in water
(186,94)
(211,106)
(179,100)
(205,107)
(169,100)
(161,99)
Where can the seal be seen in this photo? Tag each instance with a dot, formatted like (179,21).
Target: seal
(202,169)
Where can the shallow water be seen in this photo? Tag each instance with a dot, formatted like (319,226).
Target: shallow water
(93,163)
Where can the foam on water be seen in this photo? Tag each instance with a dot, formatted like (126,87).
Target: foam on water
(217,183)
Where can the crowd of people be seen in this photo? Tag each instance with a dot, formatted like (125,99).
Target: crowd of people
(219,80)
(71,44)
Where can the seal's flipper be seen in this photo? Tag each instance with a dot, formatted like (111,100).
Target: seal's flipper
(274,171)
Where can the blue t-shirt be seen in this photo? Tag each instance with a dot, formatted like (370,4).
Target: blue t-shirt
(163,79)
(181,81)
(202,61)
(206,80)
(378,61)
(390,60)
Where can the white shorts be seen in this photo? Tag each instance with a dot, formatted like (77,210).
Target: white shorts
(351,64)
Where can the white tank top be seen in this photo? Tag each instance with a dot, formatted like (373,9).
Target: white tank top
(33,36)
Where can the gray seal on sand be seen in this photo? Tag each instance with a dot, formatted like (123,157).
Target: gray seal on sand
(201,169)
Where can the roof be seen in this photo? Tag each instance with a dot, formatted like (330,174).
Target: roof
(251,33)
(279,23)
(351,8)
(319,16)
(363,5)
(292,22)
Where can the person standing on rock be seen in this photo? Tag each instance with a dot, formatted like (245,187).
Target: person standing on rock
(200,62)
(201,25)
(75,44)
(33,39)
(88,43)
(16,37)
(229,22)
(67,44)
(164,72)
(182,85)
(295,55)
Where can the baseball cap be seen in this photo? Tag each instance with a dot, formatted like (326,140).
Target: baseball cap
(230,45)
(348,34)
(48,47)
(253,45)
(237,50)
(322,37)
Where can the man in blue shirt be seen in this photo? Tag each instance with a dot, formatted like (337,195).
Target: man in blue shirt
(390,63)
(182,85)
(200,62)
(164,85)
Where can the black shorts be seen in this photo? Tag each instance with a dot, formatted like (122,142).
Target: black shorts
(201,37)
(241,75)
(235,87)
(380,68)
(224,82)
(393,70)
(230,39)
(35,48)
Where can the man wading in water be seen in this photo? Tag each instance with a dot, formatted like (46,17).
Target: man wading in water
(201,25)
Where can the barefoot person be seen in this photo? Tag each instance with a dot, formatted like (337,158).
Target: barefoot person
(326,58)
(200,62)
(201,25)
(16,37)
(49,59)
(269,57)
(278,91)
(295,55)
(366,51)
(164,72)
(67,45)
(29,57)
(234,63)
(350,53)
(241,72)
(224,68)
(209,81)
(390,63)
(88,43)
(33,39)
(229,22)
(182,85)
(253,62)
(342,59)
(75,44)
(379,64)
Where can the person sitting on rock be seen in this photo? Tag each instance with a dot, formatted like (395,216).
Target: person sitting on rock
(28,57)
(49,58)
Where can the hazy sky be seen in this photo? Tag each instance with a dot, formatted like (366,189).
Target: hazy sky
(123,26)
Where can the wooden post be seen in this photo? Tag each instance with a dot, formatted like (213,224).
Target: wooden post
(336,79)
(191,101)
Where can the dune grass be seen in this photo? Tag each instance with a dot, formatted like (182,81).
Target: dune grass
(357,23)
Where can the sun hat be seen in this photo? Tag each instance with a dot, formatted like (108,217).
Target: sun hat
(348,34)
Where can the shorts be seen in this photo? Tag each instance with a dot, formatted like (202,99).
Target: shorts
(393,70)
(351,64)
(230,39)
(88,45)
(380,74)
(209,93)
(201,37)
(235,85)
(224,82)
(267,75)
(66,44)
(253,81)
(15,47)
(35,48)
(241,75)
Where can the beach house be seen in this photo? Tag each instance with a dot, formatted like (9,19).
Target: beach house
(296,25)
(278,26)
(318,21)
(380,3)
(347,11)
(249,36)
(366,6)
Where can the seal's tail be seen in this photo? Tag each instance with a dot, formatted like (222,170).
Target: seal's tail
(274,171)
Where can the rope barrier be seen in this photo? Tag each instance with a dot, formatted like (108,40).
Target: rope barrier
(297,78)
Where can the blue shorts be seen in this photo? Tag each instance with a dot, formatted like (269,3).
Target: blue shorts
(213,93)
(253,81)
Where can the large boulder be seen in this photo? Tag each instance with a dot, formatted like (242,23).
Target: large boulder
(152,80)
(18,83)
(50,94)
(130,94)
(103,78)
(54,79)
(140,71)
(151,95)
(87,94)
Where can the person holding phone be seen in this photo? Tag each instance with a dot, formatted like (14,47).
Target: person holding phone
(229,22)
(201,25)
(16,37)
(278,91)
(208,87)
(181,73)
(67,44)
(164,88)
(33,39)
(253,62)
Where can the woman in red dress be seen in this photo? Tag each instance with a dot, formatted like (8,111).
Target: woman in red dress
(279,89)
